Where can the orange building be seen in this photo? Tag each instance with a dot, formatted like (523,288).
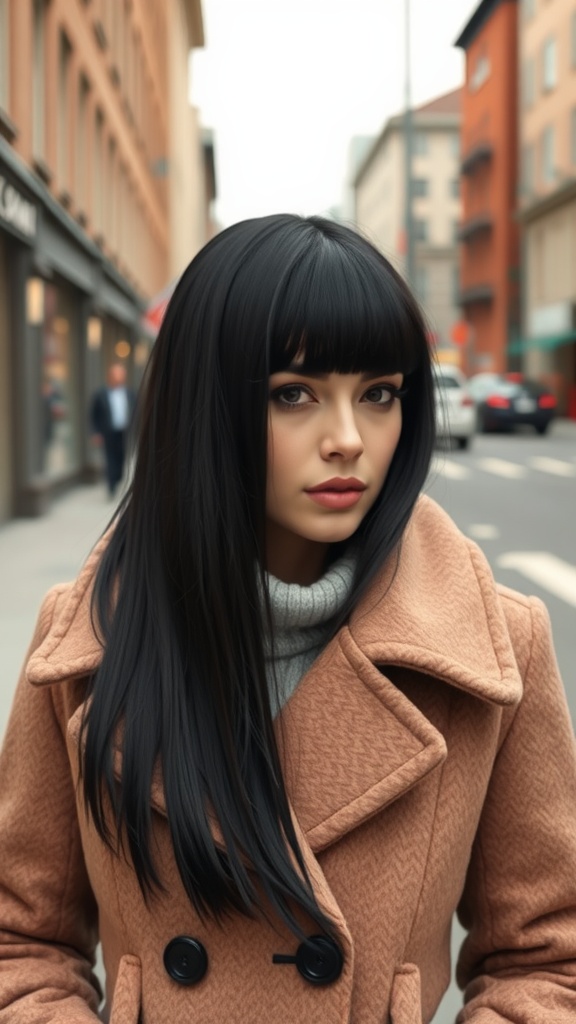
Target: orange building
(101,179)
(489,236)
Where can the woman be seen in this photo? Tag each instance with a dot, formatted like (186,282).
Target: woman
(285,723)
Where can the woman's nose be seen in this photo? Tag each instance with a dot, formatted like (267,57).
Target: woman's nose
(341,438)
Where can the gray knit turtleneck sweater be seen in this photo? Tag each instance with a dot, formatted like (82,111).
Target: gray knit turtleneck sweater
(302,618)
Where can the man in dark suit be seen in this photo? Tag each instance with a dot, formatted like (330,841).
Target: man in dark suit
(111,415)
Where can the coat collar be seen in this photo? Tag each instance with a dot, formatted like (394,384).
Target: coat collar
(437,611)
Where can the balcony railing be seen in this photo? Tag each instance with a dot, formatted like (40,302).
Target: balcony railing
(475,226)
(483,293)
(480,153)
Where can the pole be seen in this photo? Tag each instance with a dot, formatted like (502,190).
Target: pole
(408,154)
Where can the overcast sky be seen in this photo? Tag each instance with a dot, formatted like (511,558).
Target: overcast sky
(285,84)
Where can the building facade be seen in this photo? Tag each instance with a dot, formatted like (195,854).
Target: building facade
(93,135)
(547,194)
(489,233)
(380,198)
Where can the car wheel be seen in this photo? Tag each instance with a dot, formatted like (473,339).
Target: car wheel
(541,428)
(462,443)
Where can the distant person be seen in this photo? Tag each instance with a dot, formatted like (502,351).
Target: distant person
(285,723)
(111,415)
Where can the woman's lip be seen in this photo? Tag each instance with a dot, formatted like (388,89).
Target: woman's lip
(338,483)
(336,499)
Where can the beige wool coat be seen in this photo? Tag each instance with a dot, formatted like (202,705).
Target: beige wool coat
(429,760)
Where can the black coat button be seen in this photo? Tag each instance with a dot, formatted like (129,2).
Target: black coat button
(319,960)
(185,960)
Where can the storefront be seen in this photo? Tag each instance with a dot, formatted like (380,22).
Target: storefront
(65,312)
(18,234)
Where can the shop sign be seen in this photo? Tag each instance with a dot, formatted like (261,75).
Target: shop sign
(16,211)
(555,318)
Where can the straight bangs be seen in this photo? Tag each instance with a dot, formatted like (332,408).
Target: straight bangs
(345,310)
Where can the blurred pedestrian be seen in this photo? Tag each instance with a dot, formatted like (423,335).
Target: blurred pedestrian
(285,723)
(111,415)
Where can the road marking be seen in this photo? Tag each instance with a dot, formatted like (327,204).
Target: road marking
(546,570)
(501,467)
(483,531)
(548,465)
(451,470)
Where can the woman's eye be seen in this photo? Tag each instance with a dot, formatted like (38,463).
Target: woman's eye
(381,395)
(292,395)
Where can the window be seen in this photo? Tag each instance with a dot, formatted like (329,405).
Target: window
(421,283)
(454,187)
(573,136)
(549,64)
(455,145)
(420,187)
(455,230)
(99,173)
(420,229)
(528,171)
(480,72)
(529,82)
(82,143)
(419,143)
(548,168)
(38,111)
(528,9)
(4,55)
(64,57)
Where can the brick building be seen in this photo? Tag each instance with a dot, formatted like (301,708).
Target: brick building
(102,201)
(489,232)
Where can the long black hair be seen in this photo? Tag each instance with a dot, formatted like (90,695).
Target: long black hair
(177,599)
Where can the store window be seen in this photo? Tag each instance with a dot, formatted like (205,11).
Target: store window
(420,187)
(55,306)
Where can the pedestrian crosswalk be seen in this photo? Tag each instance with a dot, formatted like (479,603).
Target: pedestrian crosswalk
(534,466)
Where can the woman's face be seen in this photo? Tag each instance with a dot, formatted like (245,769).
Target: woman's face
(331,439)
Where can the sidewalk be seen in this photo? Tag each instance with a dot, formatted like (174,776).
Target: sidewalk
(34,555)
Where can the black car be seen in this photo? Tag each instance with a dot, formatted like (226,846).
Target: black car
(504,403)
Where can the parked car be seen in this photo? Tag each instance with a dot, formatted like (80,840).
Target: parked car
(504,402)
(455,406)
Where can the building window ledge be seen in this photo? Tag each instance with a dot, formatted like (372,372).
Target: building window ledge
(7,127)
(478,154)
(115,75)
(42,169)
(475,226)
(65,198)
(482,293)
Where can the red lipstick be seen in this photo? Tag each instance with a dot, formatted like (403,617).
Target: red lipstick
(337,493)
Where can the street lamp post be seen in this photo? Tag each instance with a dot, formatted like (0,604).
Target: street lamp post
(408,154)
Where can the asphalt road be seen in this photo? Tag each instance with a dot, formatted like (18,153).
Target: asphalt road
(516,496)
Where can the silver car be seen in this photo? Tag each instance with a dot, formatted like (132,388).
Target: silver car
(456,419)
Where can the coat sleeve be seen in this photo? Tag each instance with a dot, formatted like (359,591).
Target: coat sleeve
(47,911)
(518,962)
